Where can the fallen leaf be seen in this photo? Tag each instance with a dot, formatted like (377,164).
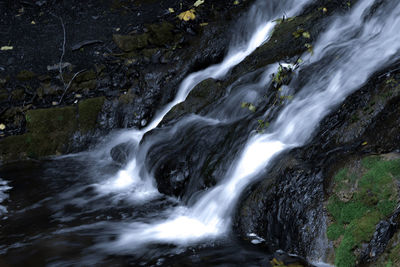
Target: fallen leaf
(5,48)
(252,108)
(203,24)
(365,143)
(306,35)
(236,2)
(198,3)
(33,22)
(2,127)
(324,10)
(171,10)
(187,15)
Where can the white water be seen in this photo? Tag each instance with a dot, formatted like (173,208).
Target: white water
(261,17)
(3,196)
(360,47)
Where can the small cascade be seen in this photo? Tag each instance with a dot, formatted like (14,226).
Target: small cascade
(360,45)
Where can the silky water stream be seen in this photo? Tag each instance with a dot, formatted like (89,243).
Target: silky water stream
(85,210)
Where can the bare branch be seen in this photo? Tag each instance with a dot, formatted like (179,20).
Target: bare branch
(69,84)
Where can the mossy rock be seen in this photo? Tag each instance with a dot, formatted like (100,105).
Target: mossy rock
(86,76)
(129,43)
(89,85)
(161,33)
(200,98)
(49,131)
(26,75)
(373,182)
(89,111)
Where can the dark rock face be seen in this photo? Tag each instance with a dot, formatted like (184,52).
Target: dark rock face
(384,232)
(284,209)
(194,158)
(122,152)
(288,200)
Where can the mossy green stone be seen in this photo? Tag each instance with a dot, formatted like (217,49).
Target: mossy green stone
(86,76)
(89,110)
(129,43)
(161,33)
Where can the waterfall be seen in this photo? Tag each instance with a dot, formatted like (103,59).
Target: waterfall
(353,48)
(66,213)
(261,17)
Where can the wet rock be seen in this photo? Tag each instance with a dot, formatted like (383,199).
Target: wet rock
(123,152)
(385,230)
(198,101)
(284,209)
(130,43)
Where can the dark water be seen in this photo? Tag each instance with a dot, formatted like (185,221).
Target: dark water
(48,225)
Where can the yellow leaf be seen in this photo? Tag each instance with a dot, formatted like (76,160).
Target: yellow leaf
(236,2)
(187,15)
(198,3)
(5,48)
(171,10)
(203,24)
(33,22)
(306,35)
(2,127)
(324,10)
(365,143)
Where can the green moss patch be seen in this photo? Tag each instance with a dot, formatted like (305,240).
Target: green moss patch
(359,201)
(89,110)
(49,131)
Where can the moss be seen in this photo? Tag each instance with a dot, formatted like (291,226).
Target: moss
(13,147)
(334,231)
(129,43)
(373,200)
(344,255)
(395,255)
(43,121)
(90,85)
(89,110)
(161,33)
(86,76)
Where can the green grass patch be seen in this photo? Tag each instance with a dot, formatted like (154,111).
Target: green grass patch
(374,199)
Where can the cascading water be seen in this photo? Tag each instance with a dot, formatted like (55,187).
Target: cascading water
(353,47)
(261,18)
(361,46)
